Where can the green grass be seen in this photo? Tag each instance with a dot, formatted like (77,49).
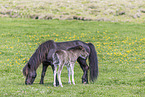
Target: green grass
(121,55)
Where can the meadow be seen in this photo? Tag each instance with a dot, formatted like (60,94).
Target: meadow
(120,48)
(98,10)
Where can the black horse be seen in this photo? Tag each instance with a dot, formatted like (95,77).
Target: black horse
(43,54)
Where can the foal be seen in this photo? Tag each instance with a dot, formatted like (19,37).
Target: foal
(67,58)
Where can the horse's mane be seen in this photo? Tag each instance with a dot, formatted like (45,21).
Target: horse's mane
(40,54)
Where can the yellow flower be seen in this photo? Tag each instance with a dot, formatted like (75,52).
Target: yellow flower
(137,67)
(11,47)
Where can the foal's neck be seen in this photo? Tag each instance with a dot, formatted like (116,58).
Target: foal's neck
(75,53)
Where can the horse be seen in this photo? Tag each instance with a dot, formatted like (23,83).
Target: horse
(43,54)
(67,58)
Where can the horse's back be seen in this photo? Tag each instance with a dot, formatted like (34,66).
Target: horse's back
(68,44)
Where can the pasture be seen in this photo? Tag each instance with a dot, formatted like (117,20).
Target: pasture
(120,47)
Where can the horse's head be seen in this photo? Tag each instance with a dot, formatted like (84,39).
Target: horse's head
(83,53)
(30,73)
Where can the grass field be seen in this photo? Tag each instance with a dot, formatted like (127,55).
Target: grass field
(121,55)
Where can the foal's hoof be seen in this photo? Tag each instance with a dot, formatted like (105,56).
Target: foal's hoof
(61,85)
(69,83)
(54,85)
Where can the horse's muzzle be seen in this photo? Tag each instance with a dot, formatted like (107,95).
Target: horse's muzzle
(28,83)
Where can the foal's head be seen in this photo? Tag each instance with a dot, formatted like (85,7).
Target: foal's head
(83,53)
(30,74)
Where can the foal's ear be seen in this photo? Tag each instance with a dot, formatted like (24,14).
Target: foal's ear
(80,47)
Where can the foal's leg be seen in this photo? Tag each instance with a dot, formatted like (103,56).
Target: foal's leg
(55,70)
(45,65)
(57,83)
(72,69)
(59,74)
(85,68)
(69,73)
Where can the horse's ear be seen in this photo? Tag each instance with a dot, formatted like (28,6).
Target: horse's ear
(29,66)
(25,70)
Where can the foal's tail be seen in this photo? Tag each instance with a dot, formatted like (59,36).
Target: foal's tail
(93,63)
(55,58)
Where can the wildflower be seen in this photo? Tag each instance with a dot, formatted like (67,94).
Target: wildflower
(137,67)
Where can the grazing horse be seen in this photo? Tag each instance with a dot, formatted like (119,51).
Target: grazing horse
(67,58)
(44,52)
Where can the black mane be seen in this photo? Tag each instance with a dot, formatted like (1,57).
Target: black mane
(40,54)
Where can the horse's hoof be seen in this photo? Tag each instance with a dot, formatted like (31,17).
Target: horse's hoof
(41,83)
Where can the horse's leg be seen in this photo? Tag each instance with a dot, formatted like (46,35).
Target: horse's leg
(45,65)
(59,74)
(85,68)
(68,69)
(72,70)
(57,83)
(55,69)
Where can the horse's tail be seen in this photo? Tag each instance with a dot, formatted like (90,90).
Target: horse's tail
(93,63)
